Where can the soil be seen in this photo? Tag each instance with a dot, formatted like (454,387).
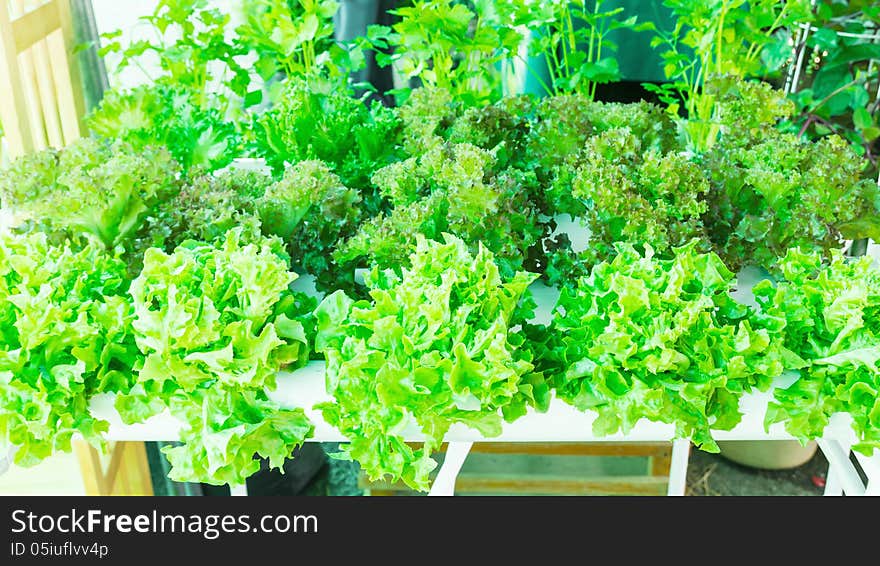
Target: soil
(714,475)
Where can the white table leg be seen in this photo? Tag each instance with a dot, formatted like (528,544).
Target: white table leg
(834,478)
(871,467)
(842,475)
(456,454)
(681,451)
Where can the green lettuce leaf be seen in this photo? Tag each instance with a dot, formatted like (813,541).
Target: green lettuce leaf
(658,339)
(215,324)
(433,346)
(100,189)
(227,429)
(65,336)
(831,311)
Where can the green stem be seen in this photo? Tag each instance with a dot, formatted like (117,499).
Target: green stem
(309,56)
(592,32)
(693,87)
(720,40)
(591,85)
(442,79)
(556,68)
(137,64)
(570,44)
(833,93)
(769,32)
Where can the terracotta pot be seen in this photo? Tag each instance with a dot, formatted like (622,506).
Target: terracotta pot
(768,454)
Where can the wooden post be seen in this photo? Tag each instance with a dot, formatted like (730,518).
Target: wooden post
(90,467)
(45,105)
(128,472)
(71,101)
(13,106)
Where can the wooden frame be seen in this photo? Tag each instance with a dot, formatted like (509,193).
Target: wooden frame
(44,106)
(654,482)
(127,473)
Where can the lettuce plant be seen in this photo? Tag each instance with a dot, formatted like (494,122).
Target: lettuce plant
(431,347)
(65,336)
(205,209)
(780,192)
(215,325)
(638,196)
(198,133)
(561,128)
(658,339)
(450,189)
(311,210)
(99,189)
(316,119)
(828,313)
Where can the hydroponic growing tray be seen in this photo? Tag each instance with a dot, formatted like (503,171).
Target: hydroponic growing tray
(305,387)
(561,423)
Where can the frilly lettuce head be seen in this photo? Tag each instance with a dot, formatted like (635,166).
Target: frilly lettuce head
(432,347)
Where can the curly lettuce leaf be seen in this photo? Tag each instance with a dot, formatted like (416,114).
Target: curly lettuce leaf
(778,192)
(65,336)
(433,346)
(226,430)
(205,209)
(317,119)
(831,315)
(206,314)
(452,188)
(658,339)
(638,195)
(186,122)
(311,210)
(99,189)
(215,324)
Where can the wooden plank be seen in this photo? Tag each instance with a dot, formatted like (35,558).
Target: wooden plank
(68,81)
(32,99)
(116,455)
(382,492)
(13,108)
(543,485)
(655,481)
(138,469)
(90,467)
(47,94)
(35,25)
(122,477)
(616,485)
(661,463)
(127,474)
(574,448)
